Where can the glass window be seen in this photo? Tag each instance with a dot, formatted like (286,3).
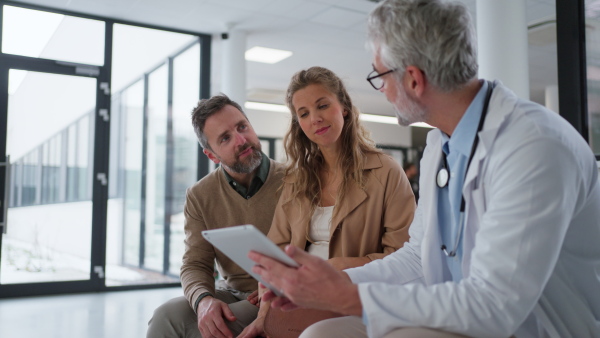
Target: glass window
(137,50)
(49,240)
(85,128)
(155,164)
(139,145)
(129,196)
(29,186)
(52,36)
(186,93)
(153,152)
(15,181)
(71,163)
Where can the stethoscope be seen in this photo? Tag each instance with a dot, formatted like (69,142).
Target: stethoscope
(443,176)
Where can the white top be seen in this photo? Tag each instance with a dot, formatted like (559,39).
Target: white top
(320,223)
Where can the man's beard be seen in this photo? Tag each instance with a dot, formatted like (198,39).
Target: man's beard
(411,111)
(250,163)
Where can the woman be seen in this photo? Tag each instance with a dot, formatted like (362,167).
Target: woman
(343,199)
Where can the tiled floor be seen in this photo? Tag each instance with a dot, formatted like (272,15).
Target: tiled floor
(122,314)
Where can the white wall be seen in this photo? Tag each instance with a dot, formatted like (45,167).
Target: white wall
(390,134)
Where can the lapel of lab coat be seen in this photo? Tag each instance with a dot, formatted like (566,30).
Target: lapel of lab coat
(501,105)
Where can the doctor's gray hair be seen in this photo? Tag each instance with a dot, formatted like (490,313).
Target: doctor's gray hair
(435,36)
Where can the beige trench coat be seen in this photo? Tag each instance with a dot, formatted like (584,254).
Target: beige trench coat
(369,223)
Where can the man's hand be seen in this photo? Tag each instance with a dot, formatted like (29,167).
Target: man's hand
(315,284)
(211,315)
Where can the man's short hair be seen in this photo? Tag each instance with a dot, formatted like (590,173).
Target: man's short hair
(205,109)
(436,36)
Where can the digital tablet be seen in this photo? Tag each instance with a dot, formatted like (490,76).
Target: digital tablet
(236,242)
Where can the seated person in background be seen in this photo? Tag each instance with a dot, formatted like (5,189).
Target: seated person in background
(342,199)
(411,171)
(242,190)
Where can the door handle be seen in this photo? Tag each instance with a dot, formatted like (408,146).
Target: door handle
(5,201)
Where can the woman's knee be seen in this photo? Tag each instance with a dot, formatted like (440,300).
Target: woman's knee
(336,327)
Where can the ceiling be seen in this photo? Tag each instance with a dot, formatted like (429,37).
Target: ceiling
(328,33)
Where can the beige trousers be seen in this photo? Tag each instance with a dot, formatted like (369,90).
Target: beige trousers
(353,327)
(176,319)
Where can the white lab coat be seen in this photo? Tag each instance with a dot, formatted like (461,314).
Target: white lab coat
(531,243)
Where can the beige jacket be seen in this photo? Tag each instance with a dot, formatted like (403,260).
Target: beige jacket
(370,223)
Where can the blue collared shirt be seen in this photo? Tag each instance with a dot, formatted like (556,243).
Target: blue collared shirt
(457,149)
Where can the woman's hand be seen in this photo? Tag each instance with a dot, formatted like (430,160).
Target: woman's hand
(257,327)
(253,298)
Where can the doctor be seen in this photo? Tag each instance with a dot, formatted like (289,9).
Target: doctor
(505,240)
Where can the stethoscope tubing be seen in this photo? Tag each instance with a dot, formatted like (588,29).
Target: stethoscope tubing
(443,177)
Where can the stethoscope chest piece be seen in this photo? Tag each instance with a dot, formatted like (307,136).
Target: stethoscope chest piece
(442,178)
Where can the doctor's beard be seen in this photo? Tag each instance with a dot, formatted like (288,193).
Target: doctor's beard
(407,109)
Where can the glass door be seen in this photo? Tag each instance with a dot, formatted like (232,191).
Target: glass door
(53,94)
(48,177)
(96,150)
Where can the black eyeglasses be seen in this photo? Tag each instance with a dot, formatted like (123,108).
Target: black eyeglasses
(375,79)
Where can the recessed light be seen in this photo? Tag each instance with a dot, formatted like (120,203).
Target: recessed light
(266,106)
(266,55)
(389,120)
(378,118)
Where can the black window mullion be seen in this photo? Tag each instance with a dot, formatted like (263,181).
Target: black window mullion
(205,59)
(99,146)
(169,170)
(571,57)
(142,253)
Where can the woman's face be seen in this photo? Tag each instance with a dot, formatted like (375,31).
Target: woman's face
(320,115)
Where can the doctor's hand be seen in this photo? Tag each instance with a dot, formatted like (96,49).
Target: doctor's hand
(315,284)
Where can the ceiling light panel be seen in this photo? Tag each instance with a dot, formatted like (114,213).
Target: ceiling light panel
(279,108)
(378,118)
(266,55)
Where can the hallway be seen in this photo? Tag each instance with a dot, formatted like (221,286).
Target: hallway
(119,314)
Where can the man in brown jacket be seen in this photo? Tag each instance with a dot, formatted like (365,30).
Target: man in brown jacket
(243,190)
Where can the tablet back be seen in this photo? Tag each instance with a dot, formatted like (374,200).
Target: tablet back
(236,242)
